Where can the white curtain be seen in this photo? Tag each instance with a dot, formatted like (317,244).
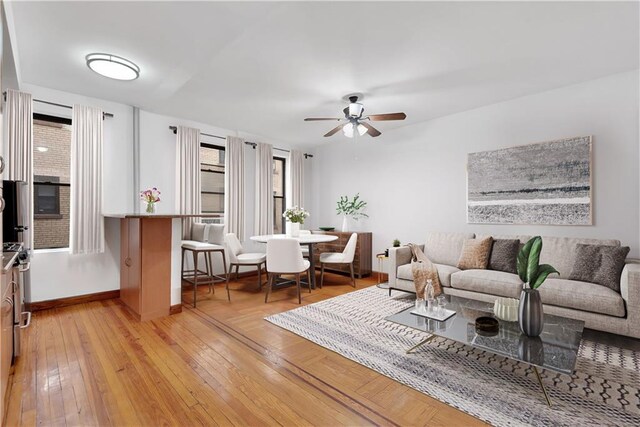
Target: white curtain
(188,171)
(19,152)
(87,222)
(234,186)
(264,189)
(296,170)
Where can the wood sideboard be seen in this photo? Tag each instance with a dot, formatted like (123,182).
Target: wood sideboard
(362,260)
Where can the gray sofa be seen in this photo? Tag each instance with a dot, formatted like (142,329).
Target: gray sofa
(600,307)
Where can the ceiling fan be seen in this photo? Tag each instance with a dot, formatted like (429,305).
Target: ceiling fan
(355,122)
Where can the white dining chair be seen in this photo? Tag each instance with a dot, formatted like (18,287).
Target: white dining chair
(238,258)
(305,248)
(203,241)
(284,256)
(344,257)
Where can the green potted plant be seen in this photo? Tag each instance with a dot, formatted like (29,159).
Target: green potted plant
(533,275)
(350,208)
(396,243)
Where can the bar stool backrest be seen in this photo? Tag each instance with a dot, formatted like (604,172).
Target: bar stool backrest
(216,234)
(199,232)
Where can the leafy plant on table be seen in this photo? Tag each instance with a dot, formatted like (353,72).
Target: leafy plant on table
(531,272)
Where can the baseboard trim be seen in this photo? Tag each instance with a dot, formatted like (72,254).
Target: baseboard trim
(67,301)
(175,309)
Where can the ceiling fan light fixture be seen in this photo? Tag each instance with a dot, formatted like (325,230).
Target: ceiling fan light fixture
(361,129)
(347,130)
(112,66)
(355,109)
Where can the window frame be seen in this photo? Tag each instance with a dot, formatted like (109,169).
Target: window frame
(284,192)
(219,148)
(47,182)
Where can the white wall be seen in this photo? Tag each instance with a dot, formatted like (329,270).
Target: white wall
(57,273)
(414,178)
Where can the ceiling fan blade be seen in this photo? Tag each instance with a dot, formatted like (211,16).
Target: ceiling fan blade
(388,116)
(334,130)
(373,132)
(315,119)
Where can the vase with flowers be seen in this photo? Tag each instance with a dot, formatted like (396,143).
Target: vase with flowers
(295,216)
(150,197)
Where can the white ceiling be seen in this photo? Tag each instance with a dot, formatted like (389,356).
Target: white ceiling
(263,67)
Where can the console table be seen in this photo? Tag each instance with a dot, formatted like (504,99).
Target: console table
(362,260)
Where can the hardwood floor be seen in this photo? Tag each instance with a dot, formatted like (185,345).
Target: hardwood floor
(221,364)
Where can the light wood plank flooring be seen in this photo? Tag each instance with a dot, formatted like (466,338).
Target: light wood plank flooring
(221,364)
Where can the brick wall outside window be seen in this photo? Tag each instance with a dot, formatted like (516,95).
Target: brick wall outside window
(52,232)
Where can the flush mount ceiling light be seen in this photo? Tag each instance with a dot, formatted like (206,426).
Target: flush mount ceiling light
(112,66)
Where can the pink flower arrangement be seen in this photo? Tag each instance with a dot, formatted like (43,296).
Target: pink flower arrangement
(151,195)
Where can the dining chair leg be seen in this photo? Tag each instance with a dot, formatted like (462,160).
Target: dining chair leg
(309,279)
(353,277)
(298,287)
(321,275)
(182,267)
(259,276)
(226,274)
(195,278)
(269,284)
(260,273)
(237,271)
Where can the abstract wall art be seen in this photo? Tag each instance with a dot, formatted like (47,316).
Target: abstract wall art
(546,183)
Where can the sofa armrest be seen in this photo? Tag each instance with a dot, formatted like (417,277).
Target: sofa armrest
(397,257)
(630,285)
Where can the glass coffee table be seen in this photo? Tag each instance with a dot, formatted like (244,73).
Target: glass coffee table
(556,349)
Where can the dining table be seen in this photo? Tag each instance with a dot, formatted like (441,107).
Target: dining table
(309,240)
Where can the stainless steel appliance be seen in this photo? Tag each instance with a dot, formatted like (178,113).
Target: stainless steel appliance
(15,220)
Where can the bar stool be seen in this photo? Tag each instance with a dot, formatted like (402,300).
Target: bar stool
(199,244)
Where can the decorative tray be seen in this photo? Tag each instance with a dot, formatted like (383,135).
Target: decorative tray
(327,228)
(435,315)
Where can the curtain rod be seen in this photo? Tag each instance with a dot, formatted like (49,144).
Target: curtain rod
(174,129)
(55,104)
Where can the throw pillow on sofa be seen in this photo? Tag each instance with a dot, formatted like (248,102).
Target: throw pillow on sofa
(475,254)
(599,264)
(504,255)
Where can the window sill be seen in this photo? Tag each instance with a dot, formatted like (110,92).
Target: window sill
(47,216)
(51,250)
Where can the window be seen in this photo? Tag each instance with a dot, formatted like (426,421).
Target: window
(51,185)
(212,181)
(279,199)
(46,194)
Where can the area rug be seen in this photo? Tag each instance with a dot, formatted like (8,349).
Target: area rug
(605,390)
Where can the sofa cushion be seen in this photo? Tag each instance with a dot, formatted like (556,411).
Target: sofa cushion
(504,253)
(560,252)
(444,273)
(599,264)
(445,248)
(475,254)
(582,296)
(491,282)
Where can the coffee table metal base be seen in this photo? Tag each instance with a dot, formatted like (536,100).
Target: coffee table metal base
(535,369)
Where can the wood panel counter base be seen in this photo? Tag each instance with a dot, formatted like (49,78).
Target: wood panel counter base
(145,265)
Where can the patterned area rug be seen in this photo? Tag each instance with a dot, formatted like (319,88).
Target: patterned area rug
(603,391)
